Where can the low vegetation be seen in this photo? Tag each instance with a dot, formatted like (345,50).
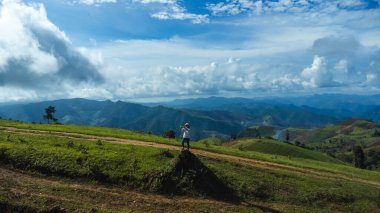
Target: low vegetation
(121,133)
(340,141)
(273,147)
(164,171)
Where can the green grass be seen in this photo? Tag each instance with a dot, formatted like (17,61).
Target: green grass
(120,133)
(127,165)
(284,187)
(90,130)
(105,162)
(212,141)
(280,148)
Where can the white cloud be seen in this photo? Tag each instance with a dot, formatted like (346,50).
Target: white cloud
(287,82)
(317,75)
(275,51)
(172,10)
(213,78)
(176,12)
(96,2)
(35,54)
(234,7)
(156,1)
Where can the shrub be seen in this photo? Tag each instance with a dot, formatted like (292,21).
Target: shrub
(70,144)
(99,142)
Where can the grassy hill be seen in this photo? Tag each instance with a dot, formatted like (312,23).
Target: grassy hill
(273,147)
(340,139)
(47,167)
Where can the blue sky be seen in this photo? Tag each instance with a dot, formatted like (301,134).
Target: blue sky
(144,50)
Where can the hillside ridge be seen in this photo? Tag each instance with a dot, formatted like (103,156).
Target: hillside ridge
(234,159)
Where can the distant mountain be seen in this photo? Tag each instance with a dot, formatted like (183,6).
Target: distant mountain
(338,106)
(213,116)
(373,114)
(129,116)
(202,103)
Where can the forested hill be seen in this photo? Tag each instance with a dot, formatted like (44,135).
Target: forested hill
(209,117)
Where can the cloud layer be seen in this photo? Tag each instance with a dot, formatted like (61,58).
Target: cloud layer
(35,55)
(239,48)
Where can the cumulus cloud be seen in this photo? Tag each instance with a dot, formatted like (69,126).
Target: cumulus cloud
(317,75)
(172,10)
(35,54)
(177,68)
(213,78)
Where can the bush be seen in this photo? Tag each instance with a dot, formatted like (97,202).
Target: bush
(169,134)
(99,142)
(70,144)
(82,148)
(166,154)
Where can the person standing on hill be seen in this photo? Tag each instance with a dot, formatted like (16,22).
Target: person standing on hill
(186,136)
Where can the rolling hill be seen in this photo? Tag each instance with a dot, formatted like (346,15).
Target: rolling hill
(56,168)
(338,140)
(274,147)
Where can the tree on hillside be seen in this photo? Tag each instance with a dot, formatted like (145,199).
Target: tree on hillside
(376,133)
(49,111)
(359,157)
(169,134)
(287,136)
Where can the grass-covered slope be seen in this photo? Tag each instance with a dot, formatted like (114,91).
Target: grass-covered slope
(99,160)
(273,147)
(338,140)
(103,133)
(150,169)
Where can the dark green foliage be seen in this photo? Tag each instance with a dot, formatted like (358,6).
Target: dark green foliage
(373,159)
(359,157)
(6,207)
(70,144)
(376,133)
(166,154)
(169,134)
(287,136)
(99,142)
(49,114)
(82,148)
(233,136)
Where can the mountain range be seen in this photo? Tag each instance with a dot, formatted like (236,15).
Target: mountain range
(213,116)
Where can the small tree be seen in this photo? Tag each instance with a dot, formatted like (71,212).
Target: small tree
(287,136)
(359,157)
(169,134)
(233,136)
(376,133)
(49,111)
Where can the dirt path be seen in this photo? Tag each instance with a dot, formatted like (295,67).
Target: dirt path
(74,194)
(239,160)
